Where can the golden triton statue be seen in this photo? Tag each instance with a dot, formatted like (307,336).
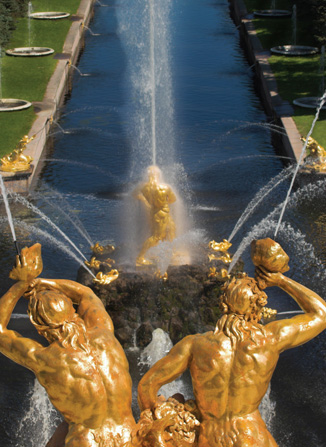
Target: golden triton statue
(84,368)
(156,196)
(315,155)
(231,367)
(17,161)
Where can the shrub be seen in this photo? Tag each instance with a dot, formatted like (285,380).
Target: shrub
(9,11)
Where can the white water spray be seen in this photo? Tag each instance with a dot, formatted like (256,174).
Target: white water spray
(40,420)
(322,102)
(20,199)
(8,211)
(153,80)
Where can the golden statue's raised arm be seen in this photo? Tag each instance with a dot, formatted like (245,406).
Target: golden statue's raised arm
(295,331)
(90,307)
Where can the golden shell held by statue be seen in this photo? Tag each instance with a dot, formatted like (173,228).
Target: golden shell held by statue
(269,254)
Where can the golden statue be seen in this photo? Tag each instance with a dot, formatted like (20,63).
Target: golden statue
(17,161)
(107,278)
(220,246)
(156,197)
(170,424)
(232,366)
(220,275)
(84,368)
(98,249)
(315,155)
(93,263)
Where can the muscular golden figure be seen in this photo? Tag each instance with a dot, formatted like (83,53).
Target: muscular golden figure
(156,197)
(232,366)
(84,369)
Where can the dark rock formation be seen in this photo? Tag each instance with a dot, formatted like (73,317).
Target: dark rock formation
(187,302)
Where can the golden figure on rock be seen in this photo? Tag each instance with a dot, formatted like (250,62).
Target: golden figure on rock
(106,278)
(157,198)
(315,155)
(170,423)
(93,263)
(232,366)
(99,249)
(84,368)
(17,161)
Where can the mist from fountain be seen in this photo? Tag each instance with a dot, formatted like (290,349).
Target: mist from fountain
(40,419)
(29,19)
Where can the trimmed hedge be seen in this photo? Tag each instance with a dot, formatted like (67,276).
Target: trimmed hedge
(9,10)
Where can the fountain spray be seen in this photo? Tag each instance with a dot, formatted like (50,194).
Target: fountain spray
(322,102)
(153,80)
(11,224)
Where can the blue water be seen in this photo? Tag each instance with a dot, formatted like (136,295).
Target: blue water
(222,156)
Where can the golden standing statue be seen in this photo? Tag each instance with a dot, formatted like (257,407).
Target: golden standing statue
(232,366)
(156,197)
(84,369)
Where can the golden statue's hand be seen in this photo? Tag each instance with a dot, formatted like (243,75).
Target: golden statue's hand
(28,265)
(37,285)
(265,278)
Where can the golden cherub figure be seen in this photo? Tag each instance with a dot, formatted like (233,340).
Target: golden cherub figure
(93,263)
(220,275)
(99,249)
(220,246)
(107,278)
(157,198)
(17,161)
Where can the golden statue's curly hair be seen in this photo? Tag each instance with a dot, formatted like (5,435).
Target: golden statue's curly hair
(236,311)
(53,316)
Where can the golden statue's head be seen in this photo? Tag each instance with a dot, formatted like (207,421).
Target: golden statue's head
(54,316)
(154,173)
(243,297)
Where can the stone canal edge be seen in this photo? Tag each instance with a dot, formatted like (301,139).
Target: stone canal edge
(278,111)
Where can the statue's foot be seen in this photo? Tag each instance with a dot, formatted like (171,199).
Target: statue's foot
(143,261)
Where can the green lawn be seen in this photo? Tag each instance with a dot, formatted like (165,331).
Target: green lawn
(296,76)
(27,78)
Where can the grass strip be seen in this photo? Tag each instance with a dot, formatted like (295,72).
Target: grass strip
(296,77)
(27,77)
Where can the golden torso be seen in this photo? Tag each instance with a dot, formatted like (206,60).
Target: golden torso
(90,388)
(157,196)
(229,383)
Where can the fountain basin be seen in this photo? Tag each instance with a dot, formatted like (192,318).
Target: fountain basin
(294,50)
(272,13)
(309,102)
(49,15)
(30,51)
(11,104)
